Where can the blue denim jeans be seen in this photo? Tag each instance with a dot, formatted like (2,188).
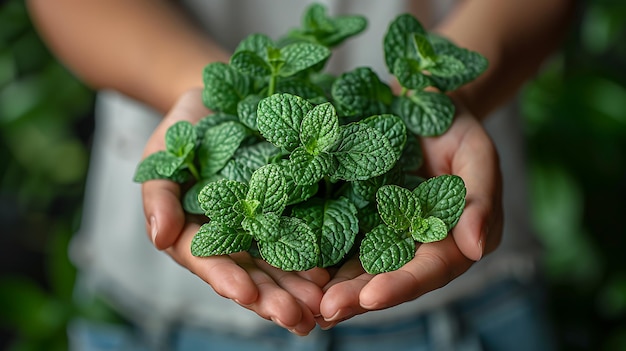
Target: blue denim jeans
(508,316)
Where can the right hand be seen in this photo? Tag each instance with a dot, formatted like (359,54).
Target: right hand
(290,299)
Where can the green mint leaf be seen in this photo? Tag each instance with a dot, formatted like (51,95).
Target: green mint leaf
(425,50)
(442,197)
(384,250)
(211,121)
(360,92)
(279,118)
(398,207)
(320,129)
(257,43)
(345,27)
(428,230)
(300,56)
(335,224)
(398,41)
(169,164)
(216,239)
(369,218)
(412,157)
(148,169)
(251,64)
(246,111)
(249,208)
(248,159)
(410,74)
(237,170)
(392,127)
(308,169)
(475,64)
(426,113)
(180,139)
(300,87)
(263,227)
(268,186)
(294,250)
(218,199)
(190,199)
(218,146)
(224,87)
(316,21)
(447,67)
(362,153)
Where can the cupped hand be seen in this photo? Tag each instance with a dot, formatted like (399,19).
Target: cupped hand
(464,150)
(290,299)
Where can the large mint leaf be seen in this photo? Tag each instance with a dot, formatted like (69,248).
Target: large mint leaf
(428,230)
(362,153)
(218,146)
(296,248)
(224,87)
(426,113)
(190,199)
(218,200)
(320,129)
(268,186)
(307,169)
(216,239)
(279,118)
(442,197)
(263,227)
(300,56)
(384,250)
(392,127)
(335,224)
(398,41)
(180,139)
(360,92)
(398,207)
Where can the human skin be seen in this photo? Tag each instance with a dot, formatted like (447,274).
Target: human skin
(149,50)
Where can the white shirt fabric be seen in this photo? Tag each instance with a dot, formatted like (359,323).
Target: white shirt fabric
(112,250)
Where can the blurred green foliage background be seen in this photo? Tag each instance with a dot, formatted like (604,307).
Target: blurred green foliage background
(576,131)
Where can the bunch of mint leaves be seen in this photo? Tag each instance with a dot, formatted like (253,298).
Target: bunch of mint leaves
(305,169)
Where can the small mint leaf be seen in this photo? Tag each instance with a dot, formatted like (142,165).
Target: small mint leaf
(147,169)
(180,139)
(345,27)
(279,118)
(398,207)
(257,43)
(190,199)
(224,87)
(398,41)
(211,121)
(475,64)
(447,67)
(218,199)
(297,193)
(426,113)
(296,248)
(320,129)
(216,239)
(308,169)
(425,50)
(384,250)
(300,56)
(428,230)
(268,186)
(263,227)
(250,63)
(362,153)
(442,197)
(300,87)
(169,164)
(410,74)
(218,146)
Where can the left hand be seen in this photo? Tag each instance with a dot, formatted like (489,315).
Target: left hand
(464,150)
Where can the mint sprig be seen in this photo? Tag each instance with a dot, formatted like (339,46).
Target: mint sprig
(303,168)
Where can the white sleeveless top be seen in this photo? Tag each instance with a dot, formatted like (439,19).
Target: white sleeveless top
(117,261)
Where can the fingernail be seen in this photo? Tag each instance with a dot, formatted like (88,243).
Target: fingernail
(480,249)
(341,314)
(154,229)
(293,331)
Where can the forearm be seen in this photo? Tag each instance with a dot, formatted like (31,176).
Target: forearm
(515,36)
(146,49)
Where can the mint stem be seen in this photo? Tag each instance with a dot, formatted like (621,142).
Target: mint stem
(193,170)
(272,87)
